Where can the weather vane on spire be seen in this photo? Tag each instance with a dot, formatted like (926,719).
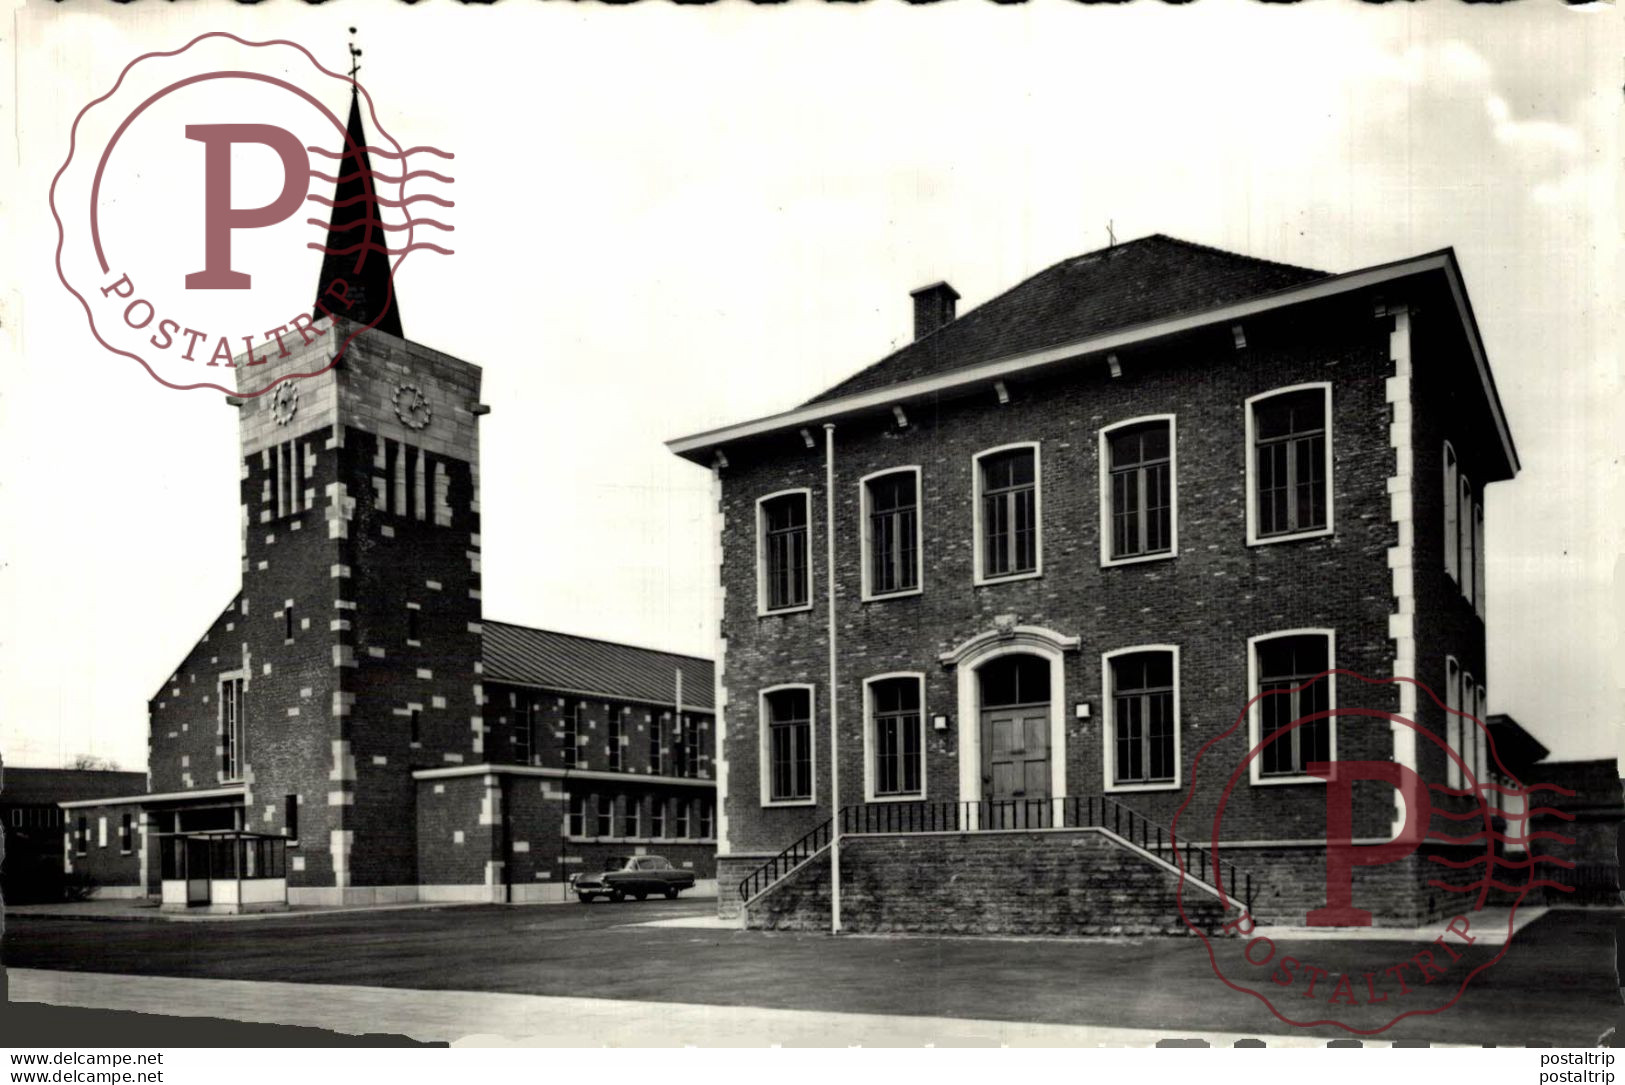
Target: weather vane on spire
(355,56)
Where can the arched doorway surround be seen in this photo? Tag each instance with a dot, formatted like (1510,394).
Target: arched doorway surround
(968,659)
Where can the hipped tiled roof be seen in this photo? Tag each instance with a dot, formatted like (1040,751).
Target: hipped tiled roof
(1153,278)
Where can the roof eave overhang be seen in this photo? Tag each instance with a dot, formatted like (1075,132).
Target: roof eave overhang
(236,792)
(700,447)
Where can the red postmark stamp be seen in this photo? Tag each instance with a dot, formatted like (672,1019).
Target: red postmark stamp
(1457,861)
(196,192)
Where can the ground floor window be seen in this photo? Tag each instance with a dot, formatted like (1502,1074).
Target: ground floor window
(657,818)
(1144,724)
(896,736)
(578,815)
(789,744)
(1287,667)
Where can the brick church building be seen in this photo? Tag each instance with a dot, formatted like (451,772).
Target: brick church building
(1006,584)
(350,728)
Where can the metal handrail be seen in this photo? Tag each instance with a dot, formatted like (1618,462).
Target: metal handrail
(1071,812)
(786,861)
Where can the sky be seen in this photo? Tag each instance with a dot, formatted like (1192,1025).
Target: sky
(669,218)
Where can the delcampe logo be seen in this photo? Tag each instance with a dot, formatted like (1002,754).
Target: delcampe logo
(193,190)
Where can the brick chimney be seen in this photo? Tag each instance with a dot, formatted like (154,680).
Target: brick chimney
(933,307)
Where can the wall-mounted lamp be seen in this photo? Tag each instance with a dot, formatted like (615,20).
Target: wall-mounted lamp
(939,723)
(1081,710)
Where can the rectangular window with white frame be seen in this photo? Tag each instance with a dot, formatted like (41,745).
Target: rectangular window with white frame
(1008,513)
(1141,698)
(894,738)
(1285,680)
(1289,464)
(787,746)
(1138,513)
(231,727)
(891,532)
(784,572)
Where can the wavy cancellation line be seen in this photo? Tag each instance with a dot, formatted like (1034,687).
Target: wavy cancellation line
(1495,811)
(379,152)
(384,177)
(1490,883)
(380,201)
(373,246)
(1502,861)
(1461,792)
(1500,838)
(381,224)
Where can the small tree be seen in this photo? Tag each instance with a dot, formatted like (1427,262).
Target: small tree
(93,763)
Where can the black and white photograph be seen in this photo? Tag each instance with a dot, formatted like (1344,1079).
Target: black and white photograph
(838,526)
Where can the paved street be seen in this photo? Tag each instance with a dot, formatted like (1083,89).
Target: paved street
(1556,983)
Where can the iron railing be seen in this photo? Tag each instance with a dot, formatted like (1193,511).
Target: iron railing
(1073,812)
(786,861)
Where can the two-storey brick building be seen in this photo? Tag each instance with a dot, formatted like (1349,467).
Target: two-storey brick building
(1009,583)
(350,728)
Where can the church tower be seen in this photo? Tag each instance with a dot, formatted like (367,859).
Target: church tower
(360,614)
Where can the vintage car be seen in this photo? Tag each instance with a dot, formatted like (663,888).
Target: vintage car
(635,876)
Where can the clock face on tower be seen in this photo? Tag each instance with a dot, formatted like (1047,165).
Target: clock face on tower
(412,406)
(284,403)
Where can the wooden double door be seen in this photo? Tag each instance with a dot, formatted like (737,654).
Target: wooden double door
(1016,767)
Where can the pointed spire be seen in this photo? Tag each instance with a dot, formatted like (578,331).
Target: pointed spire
(368,293)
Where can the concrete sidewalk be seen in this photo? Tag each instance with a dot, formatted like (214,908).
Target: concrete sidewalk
(479,1019)
(143,909)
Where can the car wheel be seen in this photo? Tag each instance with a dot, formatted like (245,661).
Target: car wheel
(639,896)
(585,898)
(616,895)
(671,894)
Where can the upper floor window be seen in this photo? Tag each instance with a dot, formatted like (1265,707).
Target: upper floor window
(896,738)
(1007,513)
(231,727)
(1285,667)
(1465,542)
(1143,736)
(524,727)
(788,741)
(1137,498)
(891,533)
(570,734)
(1478,558)
(1289,465)
(782,530)
(656,725)
(1452,552)
(617,729)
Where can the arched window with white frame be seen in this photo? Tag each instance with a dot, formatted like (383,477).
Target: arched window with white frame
(1452,552)
(1465,542)
(1453,722)
(1478,557)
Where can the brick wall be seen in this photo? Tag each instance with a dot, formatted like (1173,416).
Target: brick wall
(92,851)
(1209,600)
(1059,883)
